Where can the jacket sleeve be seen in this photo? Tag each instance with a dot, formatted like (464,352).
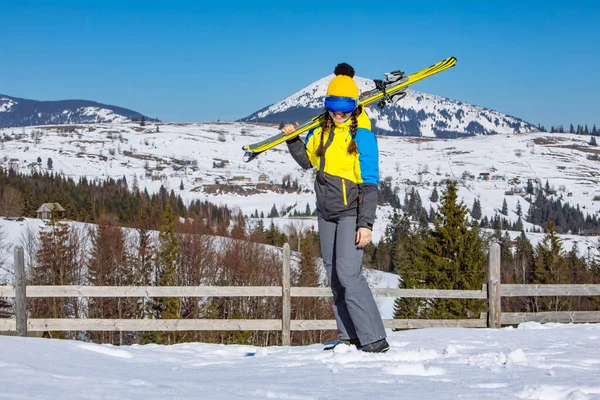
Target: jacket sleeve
(298,150)
(368,157)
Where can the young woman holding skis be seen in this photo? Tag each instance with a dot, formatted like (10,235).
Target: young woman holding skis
(344,152)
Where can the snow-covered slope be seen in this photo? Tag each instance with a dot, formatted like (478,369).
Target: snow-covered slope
(418,114)
(198,155)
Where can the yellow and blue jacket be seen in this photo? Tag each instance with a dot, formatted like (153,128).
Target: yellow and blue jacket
(345,184)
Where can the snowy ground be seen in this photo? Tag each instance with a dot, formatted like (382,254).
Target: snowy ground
(550,362)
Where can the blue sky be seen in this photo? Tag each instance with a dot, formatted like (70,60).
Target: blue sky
(192,61)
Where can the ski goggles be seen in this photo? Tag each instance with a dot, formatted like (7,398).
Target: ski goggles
(340,104)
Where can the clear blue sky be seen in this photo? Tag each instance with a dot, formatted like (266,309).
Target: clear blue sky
(203,61)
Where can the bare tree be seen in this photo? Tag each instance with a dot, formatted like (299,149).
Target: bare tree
(108,265)
(11,203)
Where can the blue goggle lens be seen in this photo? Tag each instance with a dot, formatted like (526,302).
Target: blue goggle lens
(340,104)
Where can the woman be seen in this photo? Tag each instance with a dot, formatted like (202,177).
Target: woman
(344,151)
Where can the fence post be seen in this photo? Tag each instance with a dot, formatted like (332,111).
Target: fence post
(287,299)
(20,292)
(493,287)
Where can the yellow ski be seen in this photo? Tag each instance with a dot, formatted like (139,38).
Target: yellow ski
(390,90)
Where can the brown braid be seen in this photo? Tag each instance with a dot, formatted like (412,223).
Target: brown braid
(352,148)
(328,122)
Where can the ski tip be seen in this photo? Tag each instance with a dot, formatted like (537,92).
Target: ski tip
(249,156)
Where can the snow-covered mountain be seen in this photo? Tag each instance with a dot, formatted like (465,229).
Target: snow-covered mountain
(22,112)
(418,114)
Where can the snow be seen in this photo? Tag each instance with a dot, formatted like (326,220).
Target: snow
(102,114)
(6,104)
(100,151)
(549,362)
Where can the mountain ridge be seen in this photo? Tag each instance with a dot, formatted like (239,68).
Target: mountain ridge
(418,114)
(18,112)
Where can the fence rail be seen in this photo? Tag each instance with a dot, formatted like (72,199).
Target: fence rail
(493,291)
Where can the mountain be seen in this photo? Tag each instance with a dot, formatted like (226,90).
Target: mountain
(418,114)
(22,112)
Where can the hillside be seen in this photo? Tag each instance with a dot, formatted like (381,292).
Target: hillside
(15,112)
(198,156)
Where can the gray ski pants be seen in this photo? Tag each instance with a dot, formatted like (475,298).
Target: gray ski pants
(355,310)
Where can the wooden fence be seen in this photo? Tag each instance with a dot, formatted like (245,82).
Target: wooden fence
(493,291)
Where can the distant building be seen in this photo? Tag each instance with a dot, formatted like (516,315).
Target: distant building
(46,209)
(484,176)
(220,163)
(240,179)
(263,178)
(198,180)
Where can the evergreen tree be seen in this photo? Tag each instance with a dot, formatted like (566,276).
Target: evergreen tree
(593,141)
(405,246)
(273,213)
(550,268)
(476,210)
(519,209)
(452,258)
(434,195)
(518,225)
(504,207)
(530,189)
(166,273)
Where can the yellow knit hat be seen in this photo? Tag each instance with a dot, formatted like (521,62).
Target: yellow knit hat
(343,85)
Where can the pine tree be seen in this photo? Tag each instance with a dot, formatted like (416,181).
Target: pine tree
(550,268)
(593,141)
(405,246)
(476,209)
(530,189)
(504,208)
(519,209)
(434,195)
(452,258)
(166,264)
(519,225)
(273,213)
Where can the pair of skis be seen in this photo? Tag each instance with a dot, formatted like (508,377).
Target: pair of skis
(389,90)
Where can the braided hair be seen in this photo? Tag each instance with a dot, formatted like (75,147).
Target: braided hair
(329,125)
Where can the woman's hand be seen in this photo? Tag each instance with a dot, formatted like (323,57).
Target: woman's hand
(363,237)
(289,129)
